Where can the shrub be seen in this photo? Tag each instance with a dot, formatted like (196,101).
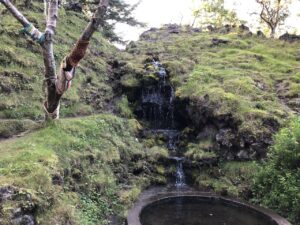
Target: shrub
(277,184)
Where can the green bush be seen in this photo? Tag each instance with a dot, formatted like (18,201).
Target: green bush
(277,184)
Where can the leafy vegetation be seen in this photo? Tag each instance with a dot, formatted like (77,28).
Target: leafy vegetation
(229,178)
(277,183)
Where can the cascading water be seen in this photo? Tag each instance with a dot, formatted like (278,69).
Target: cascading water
(180,177)
(157,104)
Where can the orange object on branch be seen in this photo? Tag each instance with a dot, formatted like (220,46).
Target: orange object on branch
(77,53)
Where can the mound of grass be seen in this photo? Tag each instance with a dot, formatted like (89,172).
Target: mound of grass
(80,171)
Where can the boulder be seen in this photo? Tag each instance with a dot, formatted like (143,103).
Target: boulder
(289,37)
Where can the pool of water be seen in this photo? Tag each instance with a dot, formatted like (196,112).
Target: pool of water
(190,210)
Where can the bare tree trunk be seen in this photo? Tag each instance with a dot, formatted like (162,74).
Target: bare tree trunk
(273,31)
(51,105)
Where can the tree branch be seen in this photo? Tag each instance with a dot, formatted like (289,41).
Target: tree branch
(15,12)
(78,52)
(29,28)
(52,102)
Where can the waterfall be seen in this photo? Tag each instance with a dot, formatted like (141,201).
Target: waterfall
(180,176)
(157,105)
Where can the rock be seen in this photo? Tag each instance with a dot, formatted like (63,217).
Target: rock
(173,28)
(74,6)
(260,85)
(289,37)
(244,28)
(6,193)
(260,34)
(57,179)
(225,137)
(294,104)
(226,29)
(196,30)
(211,28)
(24,220)
(217,41)
(23,213)
(224,192)
(243,155)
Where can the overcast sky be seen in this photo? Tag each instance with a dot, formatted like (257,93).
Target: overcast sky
(157,12)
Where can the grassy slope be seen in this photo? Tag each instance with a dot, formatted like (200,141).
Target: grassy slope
(21,67)
(96,157)
(239,78)
(100,155)
(243,78)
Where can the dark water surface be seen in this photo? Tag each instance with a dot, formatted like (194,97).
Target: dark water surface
(196,211)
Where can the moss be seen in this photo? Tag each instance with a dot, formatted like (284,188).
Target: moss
(157,153)
(200,151)
(231,178)
(124,108)
(8,128)
(89,154)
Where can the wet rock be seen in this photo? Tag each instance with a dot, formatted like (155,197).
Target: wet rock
(217,41)
(289,37)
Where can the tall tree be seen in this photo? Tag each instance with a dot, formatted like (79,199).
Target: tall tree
(213,12)
(273,13)
(118,11)
(58,80)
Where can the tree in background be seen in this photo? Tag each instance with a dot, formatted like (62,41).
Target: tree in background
(58,80)
(273,13)
(213,12)
(118,11)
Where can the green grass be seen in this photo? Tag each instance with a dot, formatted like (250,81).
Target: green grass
(238,80)
(22,68)
(90,155)
(232,178)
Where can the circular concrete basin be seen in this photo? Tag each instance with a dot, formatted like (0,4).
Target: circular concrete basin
(197,208)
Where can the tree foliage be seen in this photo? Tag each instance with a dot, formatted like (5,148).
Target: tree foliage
(213,12)
(273,13)
(118,12)
(277,184)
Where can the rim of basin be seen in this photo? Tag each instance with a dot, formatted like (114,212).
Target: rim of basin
(147,199)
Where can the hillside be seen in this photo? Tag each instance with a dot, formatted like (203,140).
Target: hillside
(236,85)
(233,91)
(22,70)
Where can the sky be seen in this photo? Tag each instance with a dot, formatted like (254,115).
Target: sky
(158,12)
